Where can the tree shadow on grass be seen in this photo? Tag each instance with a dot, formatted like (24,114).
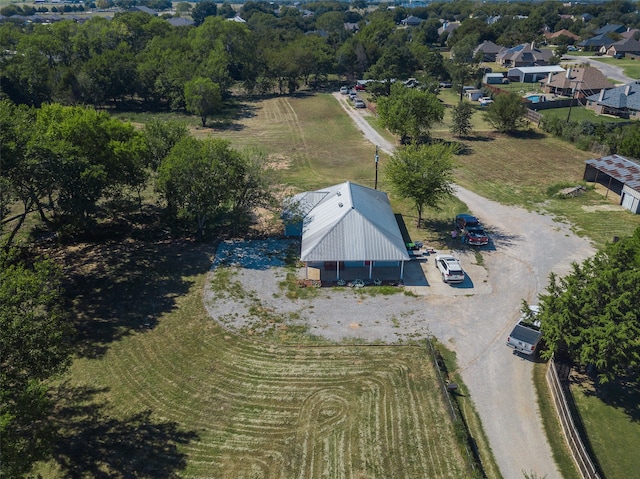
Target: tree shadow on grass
(90,443)
(122,285)
(622,393)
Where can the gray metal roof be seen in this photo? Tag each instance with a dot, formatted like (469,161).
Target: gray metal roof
(349,222)
(619,168)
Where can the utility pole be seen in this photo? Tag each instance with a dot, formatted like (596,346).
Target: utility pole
(573,94)
(376,183)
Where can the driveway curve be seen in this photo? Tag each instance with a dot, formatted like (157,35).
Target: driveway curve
(610,71)
(526,247)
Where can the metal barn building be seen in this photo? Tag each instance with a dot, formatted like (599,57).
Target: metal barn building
(618,174)
(346,226)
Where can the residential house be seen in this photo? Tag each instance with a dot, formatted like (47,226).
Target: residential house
(610,28)
(447,28)
(524,55)
(628,46)
(181,22)
(631,32)
(553,37)
(142,8)
(597,42)
(576,82)
(622,101)
(346,229)
(489,50)
(411,21)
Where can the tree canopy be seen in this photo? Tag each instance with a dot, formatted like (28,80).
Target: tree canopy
(507,113)
(594,312)
(409,112)
(34,345)
(422,173)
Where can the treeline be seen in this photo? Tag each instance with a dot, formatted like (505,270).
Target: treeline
(606,138)
(73,165)
(142,58)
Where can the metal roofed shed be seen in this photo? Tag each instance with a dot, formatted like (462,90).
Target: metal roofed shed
(532,74)
(347,225)
(618,174)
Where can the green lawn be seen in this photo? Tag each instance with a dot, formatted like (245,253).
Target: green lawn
(611,417)
(580,113)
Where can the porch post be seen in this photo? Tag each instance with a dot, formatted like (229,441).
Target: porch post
(370,268)
(337,269)
(402,270)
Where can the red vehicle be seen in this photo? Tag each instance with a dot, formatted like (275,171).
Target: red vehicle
(359,87)
(471,230)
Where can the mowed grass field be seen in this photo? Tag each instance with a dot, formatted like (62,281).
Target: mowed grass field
(162,390)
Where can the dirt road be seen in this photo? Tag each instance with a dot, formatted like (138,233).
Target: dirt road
(526,248)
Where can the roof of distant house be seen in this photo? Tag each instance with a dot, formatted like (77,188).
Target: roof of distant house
(181,22)
(562,32)
(630,33)
(623,96)
(582,78)
(597,41)
(610,28)
(626,45)
(525,52)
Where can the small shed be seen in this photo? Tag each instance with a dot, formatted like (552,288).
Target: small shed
(474,95)
(493,78)
(618,174)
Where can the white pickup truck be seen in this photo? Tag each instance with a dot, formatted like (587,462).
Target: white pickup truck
(526,334)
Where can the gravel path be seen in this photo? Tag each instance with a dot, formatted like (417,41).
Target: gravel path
(473,319)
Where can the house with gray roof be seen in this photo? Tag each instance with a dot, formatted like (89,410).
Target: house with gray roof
(597,42)
(610,28)
(345,228)
(622,101)
(411,21)
(489,50)
(626,46)
(524,55)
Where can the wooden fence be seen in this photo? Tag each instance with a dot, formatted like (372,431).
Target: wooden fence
(580,455)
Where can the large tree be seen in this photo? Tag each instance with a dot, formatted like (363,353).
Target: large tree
(461,119)
(34,345)
(507,113)
(594,312)
(423,174)
(409,112)
(196,178)
(202,98)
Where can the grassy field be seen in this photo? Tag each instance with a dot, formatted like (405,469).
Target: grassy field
(610,415)
(161,390)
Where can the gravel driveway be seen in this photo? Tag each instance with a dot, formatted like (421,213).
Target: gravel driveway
(472,319)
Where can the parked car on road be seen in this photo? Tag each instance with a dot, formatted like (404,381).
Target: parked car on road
(359,87)
(359,103)
(526,334)
(449,268)
(344,90)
